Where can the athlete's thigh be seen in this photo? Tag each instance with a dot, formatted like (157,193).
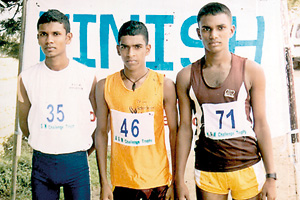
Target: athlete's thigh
(43,185)
(44,190)
(81,192)
(77,180)
(203,195)
(247,183)
(78,188)
(121,193)
(257,197)
(159,193)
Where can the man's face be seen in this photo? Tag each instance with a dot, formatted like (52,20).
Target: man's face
(53,39)
(215,32)
(133,50)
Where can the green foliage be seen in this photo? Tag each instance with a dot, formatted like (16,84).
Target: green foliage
(23,174)
(10,28)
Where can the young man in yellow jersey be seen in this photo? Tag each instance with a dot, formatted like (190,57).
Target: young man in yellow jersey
(135,99)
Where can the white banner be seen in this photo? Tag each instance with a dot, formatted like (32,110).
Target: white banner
(172,31)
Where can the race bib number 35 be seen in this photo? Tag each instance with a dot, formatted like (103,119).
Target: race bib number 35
(133,129)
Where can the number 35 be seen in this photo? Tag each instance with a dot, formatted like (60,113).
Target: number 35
(59,113)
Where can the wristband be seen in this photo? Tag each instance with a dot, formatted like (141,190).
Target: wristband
(272,175)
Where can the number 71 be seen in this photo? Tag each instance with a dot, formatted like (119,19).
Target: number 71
(229,114)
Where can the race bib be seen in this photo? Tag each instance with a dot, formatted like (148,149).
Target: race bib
(133,129)
(226,120)
(54,118)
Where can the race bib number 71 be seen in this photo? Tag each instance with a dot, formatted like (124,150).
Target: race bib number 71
(133,129)
(226,120)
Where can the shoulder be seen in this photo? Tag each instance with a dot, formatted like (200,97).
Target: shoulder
(184,76)
(254,73)
(252,66)
(185,72)
(81,67)
(31,72)
(111,80)
(32,68)
(84,71)
(168,83)
(113,76)
(157,74)
(100,84)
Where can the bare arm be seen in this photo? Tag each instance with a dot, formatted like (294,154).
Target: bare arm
(101,140)
(92,98)
(24,106)
(170,106)
(258,100)
(185,133)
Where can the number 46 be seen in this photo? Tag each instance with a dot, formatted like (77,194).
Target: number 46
(134,128)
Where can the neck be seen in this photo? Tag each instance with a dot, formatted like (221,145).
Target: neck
(217,59)
(135,74)
(136,80)
(56,64)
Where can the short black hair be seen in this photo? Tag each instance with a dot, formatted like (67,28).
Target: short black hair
(133,28)
(54,15)
(213,8)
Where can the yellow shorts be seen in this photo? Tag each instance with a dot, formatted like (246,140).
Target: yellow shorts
(243,184)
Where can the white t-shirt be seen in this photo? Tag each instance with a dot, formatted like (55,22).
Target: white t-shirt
(59,119)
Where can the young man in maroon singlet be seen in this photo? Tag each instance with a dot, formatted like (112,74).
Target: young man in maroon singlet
(233,152)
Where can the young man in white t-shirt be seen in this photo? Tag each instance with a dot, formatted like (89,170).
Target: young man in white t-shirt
(55,98)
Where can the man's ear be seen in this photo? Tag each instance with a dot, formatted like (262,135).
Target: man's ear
(118,50)
(148,48)
(232,30)
(69,37)
(198,33)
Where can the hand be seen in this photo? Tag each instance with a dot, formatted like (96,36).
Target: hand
(170,193)
(106,193)
(269,189)
(182,192)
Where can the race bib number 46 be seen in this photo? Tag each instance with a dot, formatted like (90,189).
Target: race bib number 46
(133,129)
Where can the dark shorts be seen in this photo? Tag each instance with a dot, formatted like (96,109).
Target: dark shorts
(159,193)
(50,172)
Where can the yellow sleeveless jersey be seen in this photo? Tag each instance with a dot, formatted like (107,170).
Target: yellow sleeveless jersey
(138,152)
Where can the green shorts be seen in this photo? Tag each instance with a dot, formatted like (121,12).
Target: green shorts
(243,184)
